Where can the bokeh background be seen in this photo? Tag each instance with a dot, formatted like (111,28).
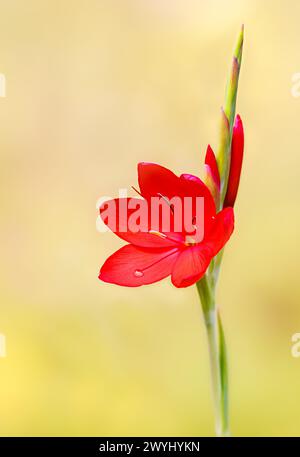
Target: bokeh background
(93,87)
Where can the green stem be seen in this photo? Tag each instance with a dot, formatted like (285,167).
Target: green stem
(207,285)
(217,355)
(228,116)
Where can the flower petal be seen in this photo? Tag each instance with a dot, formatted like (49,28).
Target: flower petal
(237,151)
(191,265)
(221,231)
(132,266)
(211,175)
(191,186)
(156,180)
(119,215)
(210,160)
(190,177)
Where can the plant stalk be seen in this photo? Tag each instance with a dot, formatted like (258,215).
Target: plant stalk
(217,355)
(207,285)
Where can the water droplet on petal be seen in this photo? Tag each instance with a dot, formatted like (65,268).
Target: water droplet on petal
(138,273)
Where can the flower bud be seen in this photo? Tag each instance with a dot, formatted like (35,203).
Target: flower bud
(212,176)
(237,150)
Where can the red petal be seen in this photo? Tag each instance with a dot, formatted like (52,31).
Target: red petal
(221,230)
(194,187)
(132,266)
(210,160)
(155,179)
(193,262)
(190,177)
(191,265)
(116,215)
(237,151)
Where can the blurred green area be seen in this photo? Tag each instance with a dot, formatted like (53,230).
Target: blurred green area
(92,89)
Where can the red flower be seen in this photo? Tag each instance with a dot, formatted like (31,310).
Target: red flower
(237,151)
(156,254)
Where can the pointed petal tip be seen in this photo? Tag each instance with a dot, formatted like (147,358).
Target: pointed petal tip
(211,166)
(238,124)
(190,177)
(143,164)
(100,276)
(209,153)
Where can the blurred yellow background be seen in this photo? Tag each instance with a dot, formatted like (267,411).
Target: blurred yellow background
(93,87)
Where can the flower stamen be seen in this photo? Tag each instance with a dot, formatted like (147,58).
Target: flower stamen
(164,236)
